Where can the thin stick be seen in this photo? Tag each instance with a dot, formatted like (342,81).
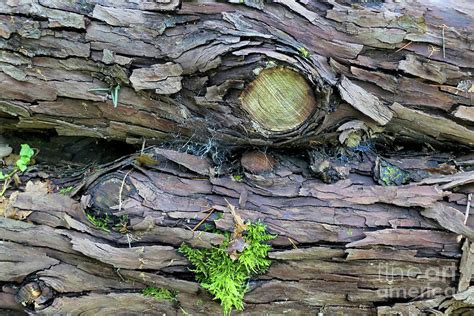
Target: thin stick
(98,90)
(143,146)
(121,189)
(292,243)
(468,207)
(403,47)
(204,219)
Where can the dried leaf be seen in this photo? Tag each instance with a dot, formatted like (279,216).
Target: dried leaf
(237,243)
(239,226)
(236,246)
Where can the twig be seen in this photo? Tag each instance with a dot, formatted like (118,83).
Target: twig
(117,271)
(121,190)
(7,182)
(468,207)
(143,146)
(205,218)
(433,49)
(403,47)
(292,243)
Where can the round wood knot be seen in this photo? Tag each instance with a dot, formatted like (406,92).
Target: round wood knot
(279,99)
(257,162)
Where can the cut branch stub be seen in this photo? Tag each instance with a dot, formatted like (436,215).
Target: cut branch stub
(279,99)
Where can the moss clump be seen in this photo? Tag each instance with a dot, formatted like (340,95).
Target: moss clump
(224,278)
(304,52)
(159,293)
(100,223)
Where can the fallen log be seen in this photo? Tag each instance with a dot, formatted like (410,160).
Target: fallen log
(352,246)
(255,73)
(345,129)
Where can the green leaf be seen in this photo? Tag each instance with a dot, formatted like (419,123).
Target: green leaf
(26,151)
(2,176)
(115,93)
(21,164)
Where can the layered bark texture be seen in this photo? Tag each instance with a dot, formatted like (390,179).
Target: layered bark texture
(178,71)
(230,86)
(352,247)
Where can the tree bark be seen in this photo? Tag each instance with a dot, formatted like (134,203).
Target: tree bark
(181,72)
(352,247)
(361,229)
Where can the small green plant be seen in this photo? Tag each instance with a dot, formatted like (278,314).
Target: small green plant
(24,159)
(100,223)
(112,92)
(159,293)
(237,177)
(226,279)
(304,52)
(66,190)
(122,225)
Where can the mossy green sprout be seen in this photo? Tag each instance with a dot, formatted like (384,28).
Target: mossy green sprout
(224,278)
(159,293)
(304,52)
(24,159)
(112,92)
(100,223)
(237,177)
(66,190)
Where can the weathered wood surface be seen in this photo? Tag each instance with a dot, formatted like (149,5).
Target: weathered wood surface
(345,243)
(353,246)
(406,66)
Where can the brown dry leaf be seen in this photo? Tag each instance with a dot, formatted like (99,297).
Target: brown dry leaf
(3,205)
(236,246)
(16,179)
(237,243)
(12,212)
(37,187)
(239,226)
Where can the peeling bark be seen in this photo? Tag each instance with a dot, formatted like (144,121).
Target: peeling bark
(182,67)
(388,73)
(349,247)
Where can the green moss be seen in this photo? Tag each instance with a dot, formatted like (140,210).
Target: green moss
(159,293)
(224,278)
(100,223)
(304,52)
(66,190)
(237,177)
(390,174)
